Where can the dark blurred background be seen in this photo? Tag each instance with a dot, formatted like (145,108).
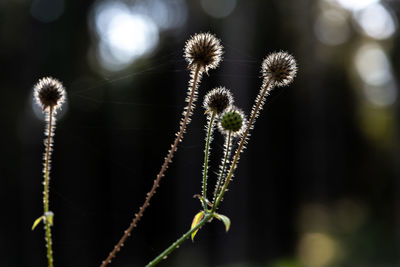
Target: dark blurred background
(317,186)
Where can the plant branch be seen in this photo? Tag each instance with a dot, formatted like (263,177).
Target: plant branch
(227,152)
(206,155)
(177,243)
(256,108)
(186,119)
(46,187)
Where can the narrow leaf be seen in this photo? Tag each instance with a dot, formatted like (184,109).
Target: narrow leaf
(37,221)
(197,218)
(225,220)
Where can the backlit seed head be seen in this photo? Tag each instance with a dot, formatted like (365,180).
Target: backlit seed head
(49,93)
(279,69)
(203,50)
(217,100)
(233,120)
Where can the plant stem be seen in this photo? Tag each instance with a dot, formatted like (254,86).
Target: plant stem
(206,155)
(256,108)
(46,188)
(227,152)
(176,244)
(179,136)
(254,113)
(208,216)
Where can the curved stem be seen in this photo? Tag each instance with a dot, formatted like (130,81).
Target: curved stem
(177,243)
(256,108)
(219,183)
(186,119)
(46,188)
(206,155)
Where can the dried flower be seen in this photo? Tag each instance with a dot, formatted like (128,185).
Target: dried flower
(217,100)
(49,93)
(279,69)
(203,50)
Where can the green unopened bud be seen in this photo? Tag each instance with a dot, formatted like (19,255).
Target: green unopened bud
(232,120)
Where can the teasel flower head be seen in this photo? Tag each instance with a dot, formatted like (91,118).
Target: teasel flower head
(203,50)
(232,120)
(279,69)
(218,100)
(49,93)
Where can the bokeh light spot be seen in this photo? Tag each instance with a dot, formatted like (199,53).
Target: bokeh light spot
(314,217)
(331,27)
(376,21)
(373,65)
(317,249)
(123,35)
(349,214)
(381,96)
(166,14)
(355,5)
(218,9)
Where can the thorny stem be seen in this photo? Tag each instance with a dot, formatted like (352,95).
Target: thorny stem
(253,115)
(176,244)
(206,155)
(46,189)
(227,152)
(168,159)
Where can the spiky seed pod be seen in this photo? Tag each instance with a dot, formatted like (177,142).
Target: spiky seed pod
(233,119)
(279,69)
(49,93)
(218,100)
(203,50)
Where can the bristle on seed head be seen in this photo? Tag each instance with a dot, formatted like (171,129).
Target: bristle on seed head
(232,120)
(279,69)
(218,100)
(203,50)
(49,93)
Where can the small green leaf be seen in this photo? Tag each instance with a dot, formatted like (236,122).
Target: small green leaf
(224,219)
(197,218)
(49,217)
(37,221)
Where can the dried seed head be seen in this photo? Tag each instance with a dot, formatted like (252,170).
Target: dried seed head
(233,120)
(217,100)
(279,69)
(49,92)
(203,50)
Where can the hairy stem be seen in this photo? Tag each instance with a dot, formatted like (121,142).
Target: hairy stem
(256,108)
(254,113)
(222,171)
(206,155)
(46,188)
(177,243)
(179,136)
